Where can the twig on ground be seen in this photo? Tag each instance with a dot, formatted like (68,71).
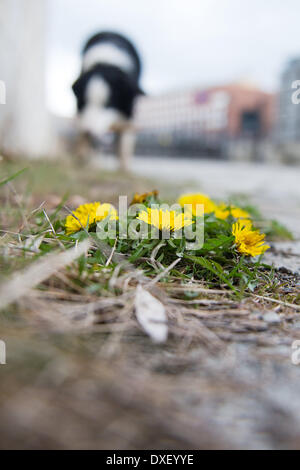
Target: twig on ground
(275,301)
(166,271)
(206,302)
(52,229)
(191,288)
(112,253)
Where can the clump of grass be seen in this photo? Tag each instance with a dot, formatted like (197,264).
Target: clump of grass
(223,262)
(219,262)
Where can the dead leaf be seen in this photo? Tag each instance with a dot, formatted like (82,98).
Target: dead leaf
(151,314)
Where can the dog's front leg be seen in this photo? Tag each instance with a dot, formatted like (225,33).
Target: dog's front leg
(126,147)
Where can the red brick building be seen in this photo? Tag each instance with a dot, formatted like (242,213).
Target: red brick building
(211,115)
(251,112)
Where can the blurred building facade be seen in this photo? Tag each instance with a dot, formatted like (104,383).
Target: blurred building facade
(289,112)
(205,121)
(288,131)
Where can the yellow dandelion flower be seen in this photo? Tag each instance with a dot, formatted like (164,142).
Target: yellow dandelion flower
(223,212)
(105,210)
(88,214)
(249,241)
(165,219)
(195,199)
(140,198)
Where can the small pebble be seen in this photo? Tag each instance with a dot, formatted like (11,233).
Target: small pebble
(256,316)
(272,317)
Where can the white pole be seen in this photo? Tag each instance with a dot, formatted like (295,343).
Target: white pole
(24,120)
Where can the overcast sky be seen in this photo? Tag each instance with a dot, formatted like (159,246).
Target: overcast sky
(183,43)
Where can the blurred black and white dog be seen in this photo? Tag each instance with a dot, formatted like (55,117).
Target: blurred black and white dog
(106,91)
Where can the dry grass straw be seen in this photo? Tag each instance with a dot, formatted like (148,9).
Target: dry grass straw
(21,283)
